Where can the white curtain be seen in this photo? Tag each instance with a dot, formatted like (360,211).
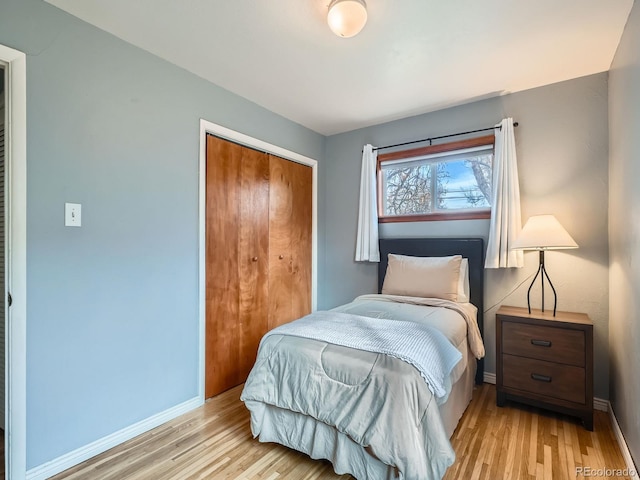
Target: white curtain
(506,222)
(367,249)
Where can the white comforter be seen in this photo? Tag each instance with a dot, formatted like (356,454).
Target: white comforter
(378,401)
(422,346)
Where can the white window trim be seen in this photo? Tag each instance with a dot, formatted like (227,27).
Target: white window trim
(434,157)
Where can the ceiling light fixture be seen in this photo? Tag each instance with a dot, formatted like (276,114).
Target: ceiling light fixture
(347,17)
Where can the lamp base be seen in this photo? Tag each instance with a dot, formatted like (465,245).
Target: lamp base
(542,272)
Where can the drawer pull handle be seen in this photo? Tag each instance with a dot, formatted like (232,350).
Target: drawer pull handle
(541,343)
(541,378)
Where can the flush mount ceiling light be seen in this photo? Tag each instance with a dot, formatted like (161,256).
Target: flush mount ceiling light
(347,17)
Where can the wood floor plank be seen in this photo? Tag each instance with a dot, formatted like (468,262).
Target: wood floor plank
(533,446)
(547,463)
(215,442)
(561,453)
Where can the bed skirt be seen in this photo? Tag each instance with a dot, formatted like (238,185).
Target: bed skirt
(321,441)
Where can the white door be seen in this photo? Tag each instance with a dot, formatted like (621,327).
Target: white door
(3,270)
(15,259)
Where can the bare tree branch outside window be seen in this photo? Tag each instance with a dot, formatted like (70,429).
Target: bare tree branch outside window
(408,190)
(459,184)
(481,167)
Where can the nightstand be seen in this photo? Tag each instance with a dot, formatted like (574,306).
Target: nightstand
(545,361)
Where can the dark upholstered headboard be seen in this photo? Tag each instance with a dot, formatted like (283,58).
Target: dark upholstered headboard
(471,248)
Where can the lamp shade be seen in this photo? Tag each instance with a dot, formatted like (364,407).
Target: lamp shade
(347,17)
(543,232)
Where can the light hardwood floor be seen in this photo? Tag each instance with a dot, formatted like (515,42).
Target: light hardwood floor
(214,442)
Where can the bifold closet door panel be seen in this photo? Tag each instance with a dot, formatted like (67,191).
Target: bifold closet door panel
(253,257)
(280,261)
(237,195)
(302,186)
(290,217)
(222,349)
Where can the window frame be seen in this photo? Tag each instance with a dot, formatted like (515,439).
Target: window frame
(476,214)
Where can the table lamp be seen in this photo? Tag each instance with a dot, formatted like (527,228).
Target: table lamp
(543,232)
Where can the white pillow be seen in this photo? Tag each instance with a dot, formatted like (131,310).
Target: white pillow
(463,282)
(427,277)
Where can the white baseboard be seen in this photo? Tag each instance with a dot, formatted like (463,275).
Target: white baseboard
(601,404)
(490,378)
(68,460)
(624,448)
(598,403)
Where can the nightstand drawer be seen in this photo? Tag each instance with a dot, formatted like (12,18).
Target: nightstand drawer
(564,382)
(544,343)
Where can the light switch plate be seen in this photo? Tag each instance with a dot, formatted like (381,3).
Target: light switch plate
(72,215)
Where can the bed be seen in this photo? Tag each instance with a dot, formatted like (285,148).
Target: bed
(376,414)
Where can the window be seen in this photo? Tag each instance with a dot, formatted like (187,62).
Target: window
(440,182)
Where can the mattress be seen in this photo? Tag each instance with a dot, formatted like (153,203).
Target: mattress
(370,414)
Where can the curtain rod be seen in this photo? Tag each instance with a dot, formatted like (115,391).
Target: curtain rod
(515,124)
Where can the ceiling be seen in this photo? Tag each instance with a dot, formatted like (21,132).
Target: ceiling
(412,57)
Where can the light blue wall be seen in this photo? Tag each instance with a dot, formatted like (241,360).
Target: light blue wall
(624,233)
(112,327)
(562,147)
(112,307)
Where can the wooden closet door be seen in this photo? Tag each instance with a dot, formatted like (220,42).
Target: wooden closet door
(237,236)
(290,223)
